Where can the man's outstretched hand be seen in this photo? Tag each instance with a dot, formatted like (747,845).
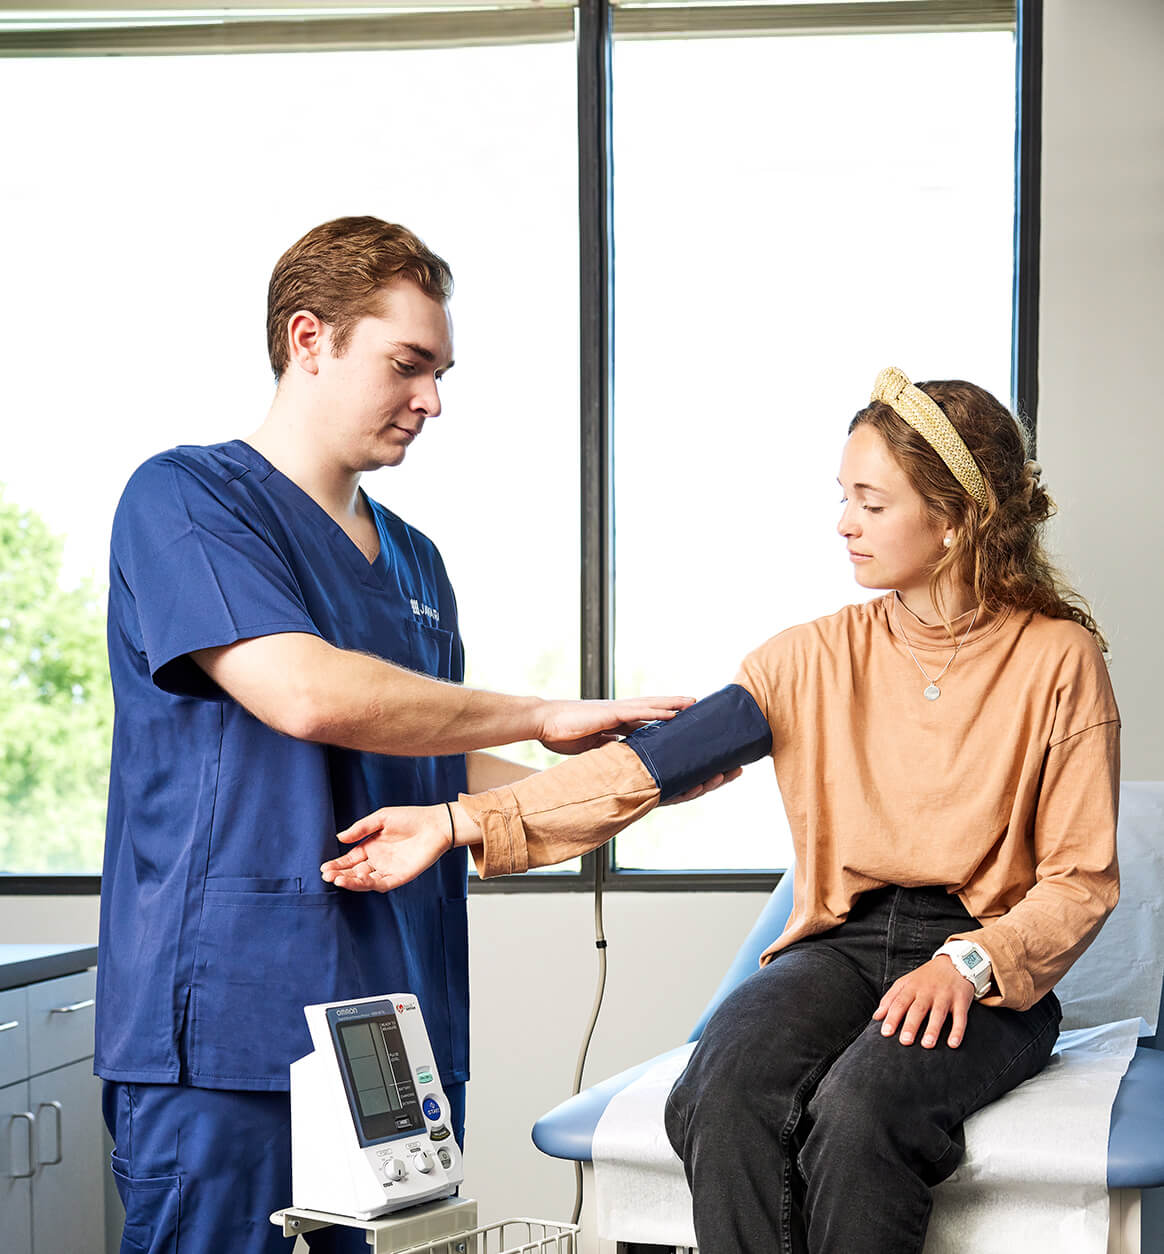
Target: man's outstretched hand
(575,726)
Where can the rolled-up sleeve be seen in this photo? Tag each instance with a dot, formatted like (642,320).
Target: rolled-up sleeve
(562,812)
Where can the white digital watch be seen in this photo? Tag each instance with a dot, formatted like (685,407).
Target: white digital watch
(970,960)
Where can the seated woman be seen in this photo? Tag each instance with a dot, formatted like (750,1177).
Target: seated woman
(948,758)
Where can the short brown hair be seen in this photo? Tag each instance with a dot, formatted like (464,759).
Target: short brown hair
(997,550)
(338,270)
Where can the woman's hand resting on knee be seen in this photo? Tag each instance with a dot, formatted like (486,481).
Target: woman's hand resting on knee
(934,989)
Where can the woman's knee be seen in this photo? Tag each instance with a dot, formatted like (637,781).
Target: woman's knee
(716,1088)
(788,1014)
(771,1036)
(675,1125)
(873,1105)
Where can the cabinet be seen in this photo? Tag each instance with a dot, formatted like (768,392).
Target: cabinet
(51,1152)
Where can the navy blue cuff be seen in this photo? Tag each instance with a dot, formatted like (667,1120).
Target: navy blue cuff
(717,734)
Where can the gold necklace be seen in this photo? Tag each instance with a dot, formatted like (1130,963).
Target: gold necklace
(933,692)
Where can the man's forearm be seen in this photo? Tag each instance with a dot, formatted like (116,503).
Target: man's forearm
(361,702)
(307,688)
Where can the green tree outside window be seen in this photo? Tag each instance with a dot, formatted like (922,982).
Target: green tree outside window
(56,705)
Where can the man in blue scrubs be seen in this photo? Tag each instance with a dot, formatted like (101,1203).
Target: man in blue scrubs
(285,659)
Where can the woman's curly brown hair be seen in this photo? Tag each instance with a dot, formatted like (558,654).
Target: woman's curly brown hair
(998,551)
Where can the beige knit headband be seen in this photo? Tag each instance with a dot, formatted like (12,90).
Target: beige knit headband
(925,416)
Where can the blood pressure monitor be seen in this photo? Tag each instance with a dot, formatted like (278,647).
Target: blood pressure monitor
(371,1130)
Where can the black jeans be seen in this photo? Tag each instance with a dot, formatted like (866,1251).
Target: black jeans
(802,1128)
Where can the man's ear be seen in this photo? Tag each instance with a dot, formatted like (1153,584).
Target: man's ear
(305,340)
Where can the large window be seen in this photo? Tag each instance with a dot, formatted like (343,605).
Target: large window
(791,212)
(791,215)
(144,201)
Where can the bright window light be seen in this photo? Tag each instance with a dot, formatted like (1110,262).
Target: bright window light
(144,202)
(791,215)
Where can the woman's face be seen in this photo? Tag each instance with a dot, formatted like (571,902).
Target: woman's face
(892,541)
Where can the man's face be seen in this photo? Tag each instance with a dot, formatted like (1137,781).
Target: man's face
(381,390)
(892,540)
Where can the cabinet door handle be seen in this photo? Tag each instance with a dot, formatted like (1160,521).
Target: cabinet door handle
(72,1010)
(29,1121)
(7,1027)
(49,1162)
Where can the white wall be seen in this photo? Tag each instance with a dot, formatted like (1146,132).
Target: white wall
(533,970)
(48,920)
(1102,446)
(1101,440)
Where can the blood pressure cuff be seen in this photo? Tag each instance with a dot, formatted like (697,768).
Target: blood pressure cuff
(717,734)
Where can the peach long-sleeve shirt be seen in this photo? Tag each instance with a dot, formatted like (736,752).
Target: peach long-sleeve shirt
(1004,790)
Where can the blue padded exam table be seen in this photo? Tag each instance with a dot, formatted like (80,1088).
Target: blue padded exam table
(1135,1144)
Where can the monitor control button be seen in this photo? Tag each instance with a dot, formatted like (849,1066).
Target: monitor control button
(422,1162)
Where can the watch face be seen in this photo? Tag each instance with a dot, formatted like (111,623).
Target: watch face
(972,958)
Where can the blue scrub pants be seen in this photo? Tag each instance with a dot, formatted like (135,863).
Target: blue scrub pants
(200,1170)
(802,1129)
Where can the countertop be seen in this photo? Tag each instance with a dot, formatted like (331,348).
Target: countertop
(26,964)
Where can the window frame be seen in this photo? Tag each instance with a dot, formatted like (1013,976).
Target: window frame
(55,31)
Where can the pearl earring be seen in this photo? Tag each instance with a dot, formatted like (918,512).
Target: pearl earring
(946,542)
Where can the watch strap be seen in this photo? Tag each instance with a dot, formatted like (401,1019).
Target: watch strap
(970,960)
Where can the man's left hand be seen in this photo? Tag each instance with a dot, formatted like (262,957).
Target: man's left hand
(933,992)
(575,726)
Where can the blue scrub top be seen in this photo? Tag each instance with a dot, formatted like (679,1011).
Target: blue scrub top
(216,928)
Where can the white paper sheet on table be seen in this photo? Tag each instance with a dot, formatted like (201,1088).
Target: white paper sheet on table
(1033,1178)
(641,1193)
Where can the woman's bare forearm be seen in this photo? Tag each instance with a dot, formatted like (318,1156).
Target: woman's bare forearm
(487,771)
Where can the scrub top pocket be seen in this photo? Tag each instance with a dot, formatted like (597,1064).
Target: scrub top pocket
(262,956)
(431,650)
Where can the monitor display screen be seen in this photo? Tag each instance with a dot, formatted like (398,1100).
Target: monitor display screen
(378,1077)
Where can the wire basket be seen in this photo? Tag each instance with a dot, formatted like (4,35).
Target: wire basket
(510,1236)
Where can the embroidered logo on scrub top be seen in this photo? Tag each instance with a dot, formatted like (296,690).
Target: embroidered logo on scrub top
(425,611)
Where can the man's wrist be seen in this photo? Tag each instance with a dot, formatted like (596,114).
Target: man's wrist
(539,716)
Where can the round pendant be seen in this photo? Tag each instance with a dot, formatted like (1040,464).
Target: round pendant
(932,693)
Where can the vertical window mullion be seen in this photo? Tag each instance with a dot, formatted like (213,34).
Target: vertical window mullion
(596,347)
(1028,157)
